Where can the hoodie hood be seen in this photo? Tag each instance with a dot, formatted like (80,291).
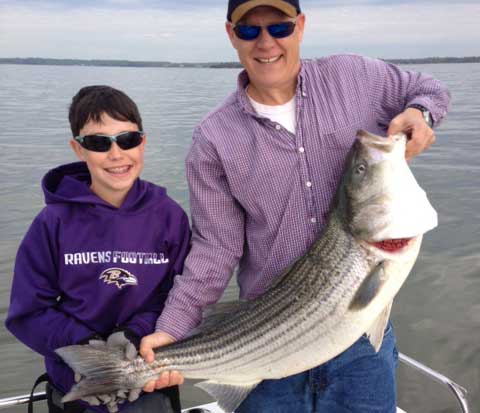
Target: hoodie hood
(70,183)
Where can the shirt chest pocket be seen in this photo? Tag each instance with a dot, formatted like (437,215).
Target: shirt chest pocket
(341,138)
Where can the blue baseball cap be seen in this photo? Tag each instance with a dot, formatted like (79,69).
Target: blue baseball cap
(238,8)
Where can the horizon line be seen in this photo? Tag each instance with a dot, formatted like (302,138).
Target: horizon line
(125,62)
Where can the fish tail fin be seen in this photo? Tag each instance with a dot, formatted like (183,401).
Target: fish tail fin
(102,370)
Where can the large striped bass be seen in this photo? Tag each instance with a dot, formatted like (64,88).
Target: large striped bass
(341,288)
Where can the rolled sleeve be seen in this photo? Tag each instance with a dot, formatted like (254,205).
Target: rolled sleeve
(394,89)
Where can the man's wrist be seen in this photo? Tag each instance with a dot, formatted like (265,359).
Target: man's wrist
(427,116)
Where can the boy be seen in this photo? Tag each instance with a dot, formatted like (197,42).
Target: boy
(98,261)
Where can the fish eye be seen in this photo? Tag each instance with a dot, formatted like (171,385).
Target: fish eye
(360,169)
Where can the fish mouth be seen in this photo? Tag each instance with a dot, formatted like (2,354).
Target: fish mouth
(391,245)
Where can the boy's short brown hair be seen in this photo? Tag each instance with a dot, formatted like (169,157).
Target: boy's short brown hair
(92,101)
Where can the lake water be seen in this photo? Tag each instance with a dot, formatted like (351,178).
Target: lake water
(436,315)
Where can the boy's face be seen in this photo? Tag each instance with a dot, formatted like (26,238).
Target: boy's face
(113,172)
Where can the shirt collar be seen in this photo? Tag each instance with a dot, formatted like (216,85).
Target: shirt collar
(243,81)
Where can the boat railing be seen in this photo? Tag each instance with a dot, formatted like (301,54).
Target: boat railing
(19,400)
(459,392)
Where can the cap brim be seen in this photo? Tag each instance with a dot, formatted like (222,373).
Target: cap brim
(241,10)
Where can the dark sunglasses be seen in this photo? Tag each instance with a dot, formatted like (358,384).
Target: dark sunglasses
(276,30)
(103,143)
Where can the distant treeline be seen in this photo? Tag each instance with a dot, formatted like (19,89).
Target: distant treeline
(111,63)
(129,63)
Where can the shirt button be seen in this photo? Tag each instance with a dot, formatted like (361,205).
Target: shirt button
(301,149)
(309,184)
(304,94)
(313,220)
(278,127)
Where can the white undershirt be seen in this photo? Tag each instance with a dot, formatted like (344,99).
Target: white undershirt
(282,114)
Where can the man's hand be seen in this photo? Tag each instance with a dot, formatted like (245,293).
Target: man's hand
(420,135)
(167,378)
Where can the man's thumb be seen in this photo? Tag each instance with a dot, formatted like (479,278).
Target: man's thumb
(152,341)
(396,126)
(146,351)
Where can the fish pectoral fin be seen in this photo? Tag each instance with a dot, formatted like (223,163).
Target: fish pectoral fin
(228,396)
(368,289)
(376,331)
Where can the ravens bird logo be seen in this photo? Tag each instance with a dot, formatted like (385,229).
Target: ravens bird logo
(119,277)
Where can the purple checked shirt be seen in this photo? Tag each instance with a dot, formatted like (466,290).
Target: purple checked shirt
(260,195)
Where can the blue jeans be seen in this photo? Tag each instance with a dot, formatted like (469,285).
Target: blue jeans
(356,381)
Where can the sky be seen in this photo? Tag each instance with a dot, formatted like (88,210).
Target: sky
(193,30)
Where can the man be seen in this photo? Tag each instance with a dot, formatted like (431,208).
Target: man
(262,171)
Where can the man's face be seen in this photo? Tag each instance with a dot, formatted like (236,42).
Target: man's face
(113,172)
(269,62)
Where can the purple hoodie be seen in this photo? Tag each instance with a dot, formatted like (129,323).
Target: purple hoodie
(85,267)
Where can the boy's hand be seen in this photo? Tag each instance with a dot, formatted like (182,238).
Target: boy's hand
(109,400)
(167,378)
(124,340)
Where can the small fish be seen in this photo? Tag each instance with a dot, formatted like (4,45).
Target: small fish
(341,288)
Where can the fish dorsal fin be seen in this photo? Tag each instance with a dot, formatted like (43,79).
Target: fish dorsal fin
(216,313)
(376,331)
(368,289)
(229,396)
